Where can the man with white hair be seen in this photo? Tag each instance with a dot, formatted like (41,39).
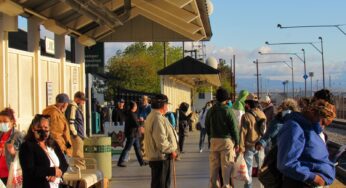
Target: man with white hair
(268,109)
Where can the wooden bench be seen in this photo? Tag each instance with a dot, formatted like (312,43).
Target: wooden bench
(84,178)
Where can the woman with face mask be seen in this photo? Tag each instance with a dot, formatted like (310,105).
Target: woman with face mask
(10,140)
(42,160)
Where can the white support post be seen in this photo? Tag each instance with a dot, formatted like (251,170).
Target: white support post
(34,46)
(60,54)
(3,62)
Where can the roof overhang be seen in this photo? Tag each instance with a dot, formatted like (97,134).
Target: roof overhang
(122,20)
(192,72)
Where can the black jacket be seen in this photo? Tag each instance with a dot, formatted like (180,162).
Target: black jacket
(36,164)
(131,125)
(118,115)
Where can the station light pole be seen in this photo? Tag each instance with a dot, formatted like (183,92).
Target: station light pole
(311,74)
(310,43)
(305,76)
(270,62)
(338,26)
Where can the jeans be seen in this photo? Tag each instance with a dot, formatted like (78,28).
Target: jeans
(129,142)
(160,173)
(181,142)
(249,154)
(202,138)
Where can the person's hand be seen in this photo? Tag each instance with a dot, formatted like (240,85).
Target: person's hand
(236,148)
(141,119)
(58,172)
(319,181)
(258,146)
(51,178)
(174,155)
(10,149)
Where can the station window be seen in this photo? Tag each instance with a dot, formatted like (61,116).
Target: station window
(47,42)
(19,40)
(201,95)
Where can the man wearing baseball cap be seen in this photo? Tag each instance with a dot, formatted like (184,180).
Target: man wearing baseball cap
(160,143)
(74,115)
(59,128)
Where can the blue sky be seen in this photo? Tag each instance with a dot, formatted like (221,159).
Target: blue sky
(242,27)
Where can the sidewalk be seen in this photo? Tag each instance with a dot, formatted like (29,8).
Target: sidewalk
(192,170)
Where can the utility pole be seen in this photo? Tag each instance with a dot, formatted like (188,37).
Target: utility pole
(164,55)
(311,74)
(256,62)
(234,89)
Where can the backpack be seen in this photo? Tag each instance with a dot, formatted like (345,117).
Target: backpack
(260,123)
(268,174)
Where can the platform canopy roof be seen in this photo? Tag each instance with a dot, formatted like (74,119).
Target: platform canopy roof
(192,72)
(119,20)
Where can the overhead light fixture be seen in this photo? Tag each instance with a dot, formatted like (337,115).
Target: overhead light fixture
(86,41)
(54,27)
(10,8)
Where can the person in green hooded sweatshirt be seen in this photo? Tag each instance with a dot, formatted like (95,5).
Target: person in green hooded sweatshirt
(239,105)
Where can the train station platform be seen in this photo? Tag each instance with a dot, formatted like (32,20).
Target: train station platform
(192,170)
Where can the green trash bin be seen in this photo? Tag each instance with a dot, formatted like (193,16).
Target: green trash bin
(96,123)
(99,148)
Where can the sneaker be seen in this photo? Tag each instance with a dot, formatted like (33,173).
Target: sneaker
(201,150)
(144,163)
(121,165)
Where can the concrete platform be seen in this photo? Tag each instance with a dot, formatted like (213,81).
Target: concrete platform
(192,170)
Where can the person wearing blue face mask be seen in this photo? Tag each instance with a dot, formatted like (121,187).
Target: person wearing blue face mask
(10,141)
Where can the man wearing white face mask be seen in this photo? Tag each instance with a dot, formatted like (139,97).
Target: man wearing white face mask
(287,106)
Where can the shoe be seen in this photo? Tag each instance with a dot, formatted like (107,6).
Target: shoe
(121,165)
(201,150)
(144,163)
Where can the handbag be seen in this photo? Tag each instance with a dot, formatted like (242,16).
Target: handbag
(240,171)
(15,175)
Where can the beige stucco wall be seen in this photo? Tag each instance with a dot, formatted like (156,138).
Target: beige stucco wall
(176,91)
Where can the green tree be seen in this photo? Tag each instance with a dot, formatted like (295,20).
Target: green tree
(136,67)
(225,76)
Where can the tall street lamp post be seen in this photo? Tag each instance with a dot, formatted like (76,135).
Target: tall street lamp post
(310,43)
(270,62)
(305,76)
(338,26)
(311,74)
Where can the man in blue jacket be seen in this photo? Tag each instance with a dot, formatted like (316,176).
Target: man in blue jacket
(302,153)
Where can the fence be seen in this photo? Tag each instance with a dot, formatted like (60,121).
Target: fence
(340,104)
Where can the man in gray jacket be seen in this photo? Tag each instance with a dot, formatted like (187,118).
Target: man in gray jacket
(160,143)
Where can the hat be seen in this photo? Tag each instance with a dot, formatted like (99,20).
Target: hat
(159,100)
(121,100)
(80,95)
(222,95)
(252,97)
(62,98)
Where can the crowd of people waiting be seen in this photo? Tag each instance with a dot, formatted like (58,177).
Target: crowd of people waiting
(53,137)
(294,129)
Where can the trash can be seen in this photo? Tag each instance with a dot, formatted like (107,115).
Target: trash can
(99,148)
(96,123)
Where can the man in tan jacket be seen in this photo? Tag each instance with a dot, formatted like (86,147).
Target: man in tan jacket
(250,134)
(59,128)
(160,143)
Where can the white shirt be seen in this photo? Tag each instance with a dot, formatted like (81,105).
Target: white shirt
(54,162)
